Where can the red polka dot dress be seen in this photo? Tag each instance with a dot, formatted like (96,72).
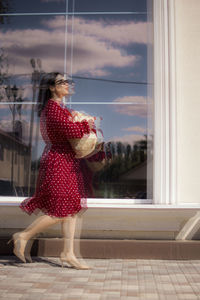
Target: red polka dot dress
(64,182)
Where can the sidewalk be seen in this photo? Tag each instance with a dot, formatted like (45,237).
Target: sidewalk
(109,279)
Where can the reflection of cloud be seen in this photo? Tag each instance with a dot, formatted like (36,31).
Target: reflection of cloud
(136,129)
(93,55)
(97,45)
(119,32)
(129,138)
(21,45)
(137,106)
(99,73)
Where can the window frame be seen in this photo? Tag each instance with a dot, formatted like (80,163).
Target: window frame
(165,104)
(165,118)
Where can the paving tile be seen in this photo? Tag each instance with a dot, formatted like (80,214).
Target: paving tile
(129,298)
(13,295)
(51,296)
(109,279)
(188,296)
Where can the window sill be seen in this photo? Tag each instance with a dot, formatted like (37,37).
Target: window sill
(113,203)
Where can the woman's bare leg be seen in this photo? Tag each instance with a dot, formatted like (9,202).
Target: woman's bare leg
(68,230)
(21,238)
(39,225)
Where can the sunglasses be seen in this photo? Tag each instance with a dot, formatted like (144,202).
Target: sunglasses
(67,81)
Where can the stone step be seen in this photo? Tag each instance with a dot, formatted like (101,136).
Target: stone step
(98,248)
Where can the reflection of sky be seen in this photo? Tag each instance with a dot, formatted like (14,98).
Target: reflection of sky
(94,90)
(104,47)
(80,5)
(24,6)
(114,123)
(113,47)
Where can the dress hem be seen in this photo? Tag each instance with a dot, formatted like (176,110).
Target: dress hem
(36,211)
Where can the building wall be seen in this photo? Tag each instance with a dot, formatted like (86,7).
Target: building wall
(108,223)
(188,94)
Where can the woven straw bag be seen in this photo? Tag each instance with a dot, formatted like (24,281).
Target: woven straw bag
(86,145)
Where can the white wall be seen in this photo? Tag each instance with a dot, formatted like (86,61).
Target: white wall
(187,20)
(138,222)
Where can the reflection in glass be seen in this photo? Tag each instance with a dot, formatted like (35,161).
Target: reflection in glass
(29,47)
(128,138)
(108,6)
(110,58)
(31,37)
(101,91)
(99,48)
(36,6)
(19,156)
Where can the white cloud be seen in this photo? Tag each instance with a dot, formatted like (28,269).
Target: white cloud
(136,129)
(97,45)
(128,139)
(98,73)
(22,45)
(122,33)
(90,55)
(137,106)
(98,55)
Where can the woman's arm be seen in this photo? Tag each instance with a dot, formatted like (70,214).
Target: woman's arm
(58,120)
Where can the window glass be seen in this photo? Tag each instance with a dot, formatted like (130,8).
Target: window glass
(109,6)
(125,133)
(107,47)
(99,48)
(36,6)
(19,133)
(1,152)
(28,44)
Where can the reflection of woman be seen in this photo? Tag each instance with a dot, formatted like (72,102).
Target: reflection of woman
(61,185)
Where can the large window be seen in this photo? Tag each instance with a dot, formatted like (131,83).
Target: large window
(106,46)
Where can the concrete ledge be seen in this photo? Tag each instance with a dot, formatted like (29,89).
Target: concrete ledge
(6,201)
(135,249)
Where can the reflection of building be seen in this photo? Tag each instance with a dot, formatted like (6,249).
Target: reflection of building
(138,177)
(137,174)
(14,163)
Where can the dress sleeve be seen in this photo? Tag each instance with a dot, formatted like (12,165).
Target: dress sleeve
(99,156)
(61,124)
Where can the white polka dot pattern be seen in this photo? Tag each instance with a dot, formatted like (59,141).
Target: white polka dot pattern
(64,182)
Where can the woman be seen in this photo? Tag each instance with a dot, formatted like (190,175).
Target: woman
(62,185)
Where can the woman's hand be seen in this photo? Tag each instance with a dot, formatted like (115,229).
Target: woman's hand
(91,123)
